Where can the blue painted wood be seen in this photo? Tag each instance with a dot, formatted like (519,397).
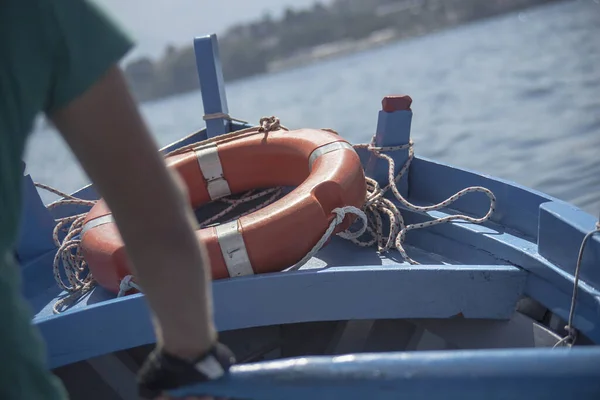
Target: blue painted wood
(393,129)
(372,292)
(37,275)
(587,320)
(197,136)
(370,286)
(36,225)
(337,293)
(453,249)
(506,247)
(481,374)
(83,333)
(517,206)
(89,193)
(561,231)
(212,83)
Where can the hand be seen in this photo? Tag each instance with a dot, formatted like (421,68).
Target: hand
(162,371)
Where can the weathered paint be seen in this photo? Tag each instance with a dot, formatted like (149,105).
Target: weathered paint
(517,207)
(212,84)
(330,294)
(534,233)
(36,225)
(561,231)
(458,374)
(393,129)
(505,244)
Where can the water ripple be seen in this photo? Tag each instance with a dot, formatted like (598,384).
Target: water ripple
(512,97)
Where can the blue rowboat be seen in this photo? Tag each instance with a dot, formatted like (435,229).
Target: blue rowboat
(499,300)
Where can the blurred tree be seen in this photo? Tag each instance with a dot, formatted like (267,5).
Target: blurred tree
(248,49)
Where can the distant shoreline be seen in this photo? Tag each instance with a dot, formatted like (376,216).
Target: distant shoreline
(333,50)
(305,37)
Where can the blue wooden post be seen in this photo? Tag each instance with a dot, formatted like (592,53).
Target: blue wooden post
(212,84)
(561,231)
(393,129)
(36,225)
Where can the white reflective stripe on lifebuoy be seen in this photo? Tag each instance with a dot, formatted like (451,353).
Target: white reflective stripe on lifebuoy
(212,170)
(233,249)
(328,148)
(105,219)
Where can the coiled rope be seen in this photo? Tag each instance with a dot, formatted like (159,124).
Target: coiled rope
(376,208)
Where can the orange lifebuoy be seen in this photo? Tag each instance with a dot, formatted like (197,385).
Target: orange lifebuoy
(323,166)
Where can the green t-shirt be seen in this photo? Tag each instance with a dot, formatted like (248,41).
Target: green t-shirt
(51,52)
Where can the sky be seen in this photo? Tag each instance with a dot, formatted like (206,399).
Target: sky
(157,23)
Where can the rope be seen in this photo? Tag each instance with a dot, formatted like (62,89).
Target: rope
(340,214)
(127,283)
(571,337)
(265,124)
(221,115)
(377,207)
(68,257)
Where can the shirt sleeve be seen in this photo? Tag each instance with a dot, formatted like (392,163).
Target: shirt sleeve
(88,43)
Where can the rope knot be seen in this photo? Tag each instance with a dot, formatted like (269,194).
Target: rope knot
(269,124)
(571,332)
(127,283)
(340,214)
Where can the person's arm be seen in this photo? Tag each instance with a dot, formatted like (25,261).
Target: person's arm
(108,136)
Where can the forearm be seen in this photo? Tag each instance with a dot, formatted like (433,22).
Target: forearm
(167,259)
(107,134)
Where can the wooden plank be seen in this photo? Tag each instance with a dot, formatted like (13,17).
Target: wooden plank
(517,206)
(415,339)
(341,293)
(518,332)
(586,318)
(251,344)
(212,84)
(465,375)
(506,246)
(562,229)
(531,308)
(430,341)
(393,129)
(330,294)
(116,375)
(82,382)
(36,225)
(353,337)
(38,278)
(390,335)
(308,338)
